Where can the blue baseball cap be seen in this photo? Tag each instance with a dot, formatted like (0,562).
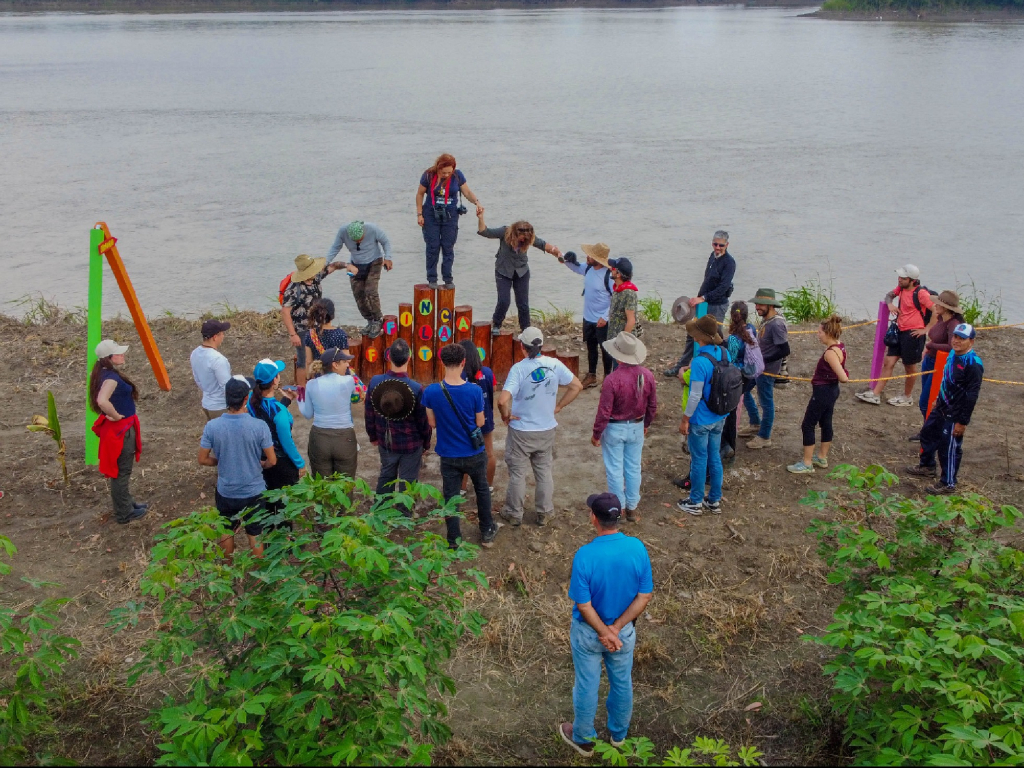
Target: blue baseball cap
(965,331)
(624,265)
(266,370)
(605,506)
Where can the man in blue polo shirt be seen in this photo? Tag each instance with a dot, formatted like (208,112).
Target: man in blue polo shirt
(611,585)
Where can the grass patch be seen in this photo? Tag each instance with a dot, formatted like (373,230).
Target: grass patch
(653,308)
(39,310)
(978,308)
(555,320)
(810,302)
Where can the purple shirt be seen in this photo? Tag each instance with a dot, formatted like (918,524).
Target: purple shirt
(625,397)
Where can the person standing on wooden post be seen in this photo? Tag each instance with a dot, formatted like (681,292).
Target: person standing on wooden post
(438,215)
(370,251)
(597,299)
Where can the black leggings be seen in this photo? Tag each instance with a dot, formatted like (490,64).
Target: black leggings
(819,411)
(521,285)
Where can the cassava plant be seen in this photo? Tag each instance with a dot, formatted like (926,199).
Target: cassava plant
(930,631)
(703,752)
(50,424)
(329,649)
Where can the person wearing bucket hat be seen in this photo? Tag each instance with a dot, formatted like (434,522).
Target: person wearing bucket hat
(438,207)
(113,396)
(940,339)
(773,340)
(328,400)
(297,298)
(396,422)
(370,251)
(210,369)
(628,404)
(623,314)
(714,291)
(597,295)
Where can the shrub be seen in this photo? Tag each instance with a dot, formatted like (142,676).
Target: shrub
(930,631)
(50,425)
(809,303)
(329,649)
(640,751)
(35,653)
(978,308)
(652,308)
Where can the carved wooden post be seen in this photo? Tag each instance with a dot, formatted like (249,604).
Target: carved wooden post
(390,334)
(463,322)
(445,326)
(501,356)
(572,362)
(518,353)
(482,339)
(355,348)
(405,325)
(423,332)
(373,357)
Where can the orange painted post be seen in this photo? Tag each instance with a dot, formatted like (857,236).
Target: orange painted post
(463,322)
(940,367)
(518,353)
(424,313)
(373,357)
(390,329)
(548,351)
(445,326)
(109,248)
(405,324)
(355,348)
(501,356)
(482,339)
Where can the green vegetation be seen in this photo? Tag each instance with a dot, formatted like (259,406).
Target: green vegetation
(32,654)
(978,308)
(555,320)
(930,632)
(39,310)
(919,6)
(329,649)
(652,308)
(50,424)
(640,751)
(809,302)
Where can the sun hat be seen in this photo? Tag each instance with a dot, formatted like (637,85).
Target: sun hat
(267,370)
(949,300)
(626,348)
(706,327)
(965,331)
(332,355)
(624,265)
(108,347)
(605,506)
(307,267)
(531,337)
(908,270)
(598,252)
(356,230)
(766,297)
(393,399)
(235,391)
(682,312)
(212,327)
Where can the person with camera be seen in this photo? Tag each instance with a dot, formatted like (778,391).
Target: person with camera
(438,207)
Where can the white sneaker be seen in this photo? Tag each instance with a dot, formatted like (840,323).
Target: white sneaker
(900,401)
(869,397)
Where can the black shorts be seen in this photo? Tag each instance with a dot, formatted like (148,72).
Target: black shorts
(910,349)
(238,511)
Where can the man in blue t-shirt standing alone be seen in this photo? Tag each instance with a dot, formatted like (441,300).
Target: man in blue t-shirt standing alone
(611,585)
(455,408)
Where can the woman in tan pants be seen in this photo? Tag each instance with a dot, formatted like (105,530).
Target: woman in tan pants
(328,400)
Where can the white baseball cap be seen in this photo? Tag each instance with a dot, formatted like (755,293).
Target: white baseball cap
(108,347)
(909,270)
(531,337)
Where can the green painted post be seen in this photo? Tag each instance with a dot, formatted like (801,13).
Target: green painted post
(93,337)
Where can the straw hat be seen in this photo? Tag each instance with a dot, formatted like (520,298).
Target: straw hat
(626,348)
(949,300)
(705,327)
(682,312)
(598,252)
(307,267)
(393,399)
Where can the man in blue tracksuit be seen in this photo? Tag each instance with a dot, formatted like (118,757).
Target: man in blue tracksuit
(943,431)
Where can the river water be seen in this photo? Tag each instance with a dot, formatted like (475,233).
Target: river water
(219,146)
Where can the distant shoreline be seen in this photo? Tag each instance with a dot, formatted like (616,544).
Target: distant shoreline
(925,16)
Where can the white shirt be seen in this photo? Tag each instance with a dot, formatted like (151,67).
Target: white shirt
(534,385)
(211,371)
(328,401)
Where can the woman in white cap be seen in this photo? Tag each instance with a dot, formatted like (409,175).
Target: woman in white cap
(113,395)
(328,400)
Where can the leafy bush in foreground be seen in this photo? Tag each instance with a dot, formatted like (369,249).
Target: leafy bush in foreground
(329,649)
(640,751)
(930,633)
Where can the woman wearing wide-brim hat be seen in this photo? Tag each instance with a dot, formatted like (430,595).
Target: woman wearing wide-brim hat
(940,339)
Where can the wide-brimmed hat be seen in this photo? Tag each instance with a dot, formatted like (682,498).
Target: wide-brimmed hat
(766,297)
(393,399)
(307,267)
(949,300)
(109,347)
(598,252)
(626,348)
(706,327)
(682,312)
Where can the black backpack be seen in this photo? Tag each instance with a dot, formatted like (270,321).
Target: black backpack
(926,315)
(607,279)
(726,385)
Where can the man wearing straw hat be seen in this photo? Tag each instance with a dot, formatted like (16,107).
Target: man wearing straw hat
(773,339)
(597,299)
(629,401)
(298,297)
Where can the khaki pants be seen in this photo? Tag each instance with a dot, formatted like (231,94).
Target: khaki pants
(332,450)
(211,415)
(523,450)
(364,289)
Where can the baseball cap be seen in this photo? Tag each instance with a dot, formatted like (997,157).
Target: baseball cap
(531,337)
(266,370)
(908,270)
(333,355)
(624,265)
(965,331)
(605,506)
(108,347)
(235,391)
(212,327)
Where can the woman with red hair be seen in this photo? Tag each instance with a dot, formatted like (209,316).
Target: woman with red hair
(438,206)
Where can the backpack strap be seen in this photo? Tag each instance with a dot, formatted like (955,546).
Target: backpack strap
(917,300)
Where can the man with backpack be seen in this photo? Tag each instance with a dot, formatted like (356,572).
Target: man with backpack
(597,297)
(912,305)
(296,294)
(716,387)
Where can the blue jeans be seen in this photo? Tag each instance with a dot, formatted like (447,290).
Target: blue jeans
(622,446)
(766,396)
(927,367)
(440,238)
(705,444)
(587,655)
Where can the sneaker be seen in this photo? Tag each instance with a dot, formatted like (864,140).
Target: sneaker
(616,743)
(432,286)
(590,380)
(819,462)
(449,285)
(750,430)
(143,505)
(914,438)
(542,519)
(487,541)
(727,453)
(940,490)
(374,328)
(565,731)
(901,401)
(714,507)
(510,520)
(672,371)
(919,471)
(869,397)
(365,330)
(801,469)
(137,514)
(495,330)
(685,505)
(759,442)
(632,515)
(682,482)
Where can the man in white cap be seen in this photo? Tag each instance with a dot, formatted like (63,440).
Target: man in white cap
(912,307)
(528,403)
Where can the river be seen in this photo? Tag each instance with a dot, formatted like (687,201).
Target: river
(219,146)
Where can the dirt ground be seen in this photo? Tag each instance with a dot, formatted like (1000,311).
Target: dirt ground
(720,651)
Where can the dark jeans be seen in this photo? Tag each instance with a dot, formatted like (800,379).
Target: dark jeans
(365,289)
(937,437)
(281,475)
(927,369)
(452,472)
(819,411)
(594,337)
(718,310)
(120,493)
(521,285)
(397,469)
(440,238)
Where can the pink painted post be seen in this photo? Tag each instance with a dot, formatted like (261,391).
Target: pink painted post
(880,329)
